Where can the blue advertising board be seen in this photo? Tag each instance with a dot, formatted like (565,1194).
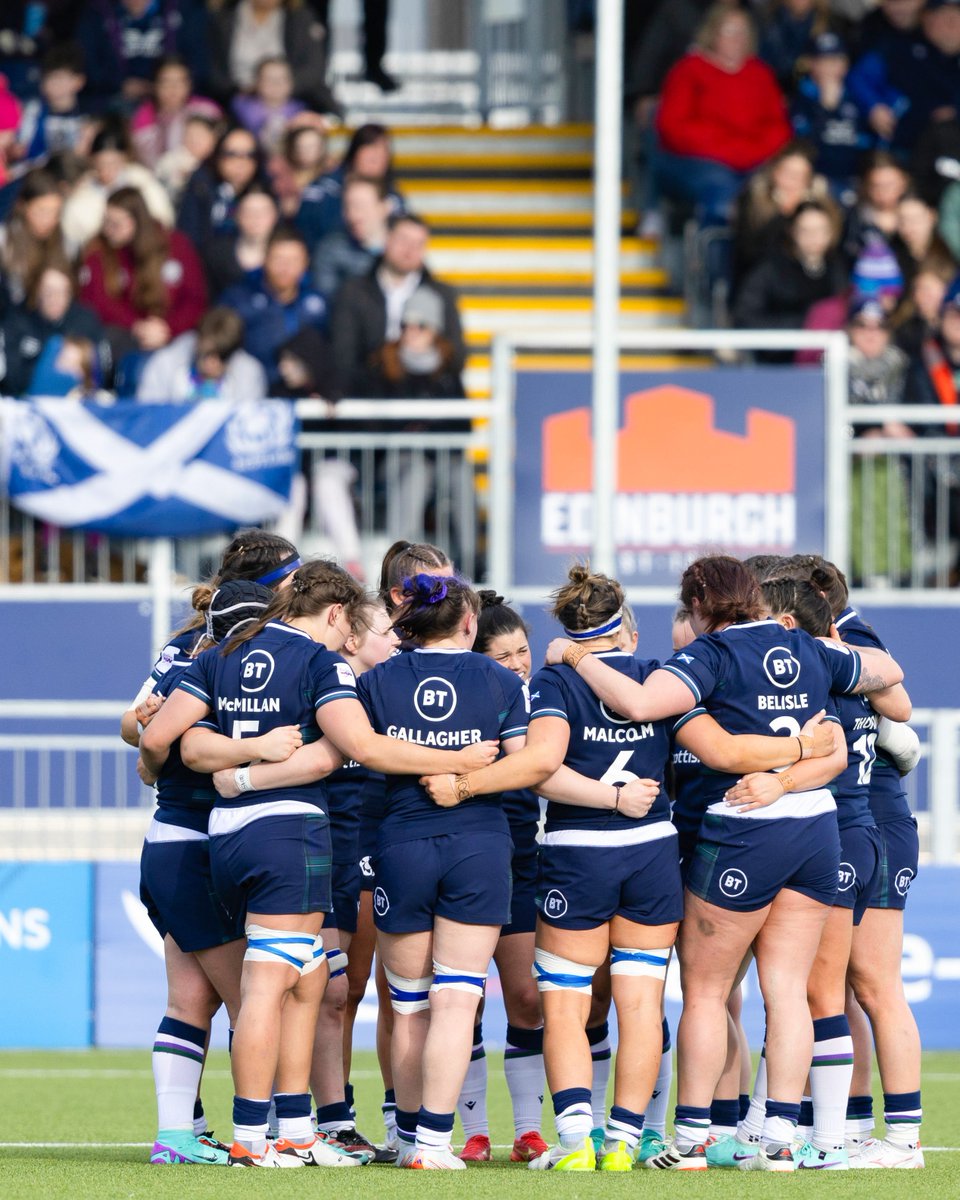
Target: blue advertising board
(46,954)
(706,460)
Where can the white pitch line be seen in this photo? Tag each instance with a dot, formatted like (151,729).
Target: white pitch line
(142,1145)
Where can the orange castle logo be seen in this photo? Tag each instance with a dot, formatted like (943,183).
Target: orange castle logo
(669,445)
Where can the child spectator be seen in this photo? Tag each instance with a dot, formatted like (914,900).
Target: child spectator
(55,121)
(880,536)
(721,115)
(31,240)
(176,166)
(210,364)
(825,114)
(10,113)
(917,239)
(883,182)
(344,254)
(50,310)
(769,201)
(419,364)
(113,167)
(368,309)
(232,257)
(278,301)
(159,124)
(368,154)
(209,200)
(144,282)
(124,40)
(782,287)
(271,106)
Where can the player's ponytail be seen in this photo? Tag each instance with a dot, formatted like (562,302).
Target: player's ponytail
(725,590)
(588,605)
(432,607)
(315,586)
(801,600)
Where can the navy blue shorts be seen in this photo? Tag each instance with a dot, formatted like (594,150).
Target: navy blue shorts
(899,859)
(686,846)
(345,886)
(367,853)
(581,887)
(860,850)
(523,899)
(274,865)
(463,877)
(742,863)
(176,887)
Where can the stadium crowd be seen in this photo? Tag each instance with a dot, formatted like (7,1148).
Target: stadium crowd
(349,773)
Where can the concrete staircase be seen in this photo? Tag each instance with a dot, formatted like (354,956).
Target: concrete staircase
(512,222)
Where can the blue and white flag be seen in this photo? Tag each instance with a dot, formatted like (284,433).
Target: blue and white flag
(157,470)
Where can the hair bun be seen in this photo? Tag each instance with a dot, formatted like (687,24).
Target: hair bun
(579,573)
(489,598)
(426,589)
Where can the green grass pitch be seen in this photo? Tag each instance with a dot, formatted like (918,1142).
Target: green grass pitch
(74,1126)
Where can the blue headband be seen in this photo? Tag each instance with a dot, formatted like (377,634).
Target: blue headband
(287,567)
(608,627)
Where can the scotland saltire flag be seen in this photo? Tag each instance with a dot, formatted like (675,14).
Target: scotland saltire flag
(153,470)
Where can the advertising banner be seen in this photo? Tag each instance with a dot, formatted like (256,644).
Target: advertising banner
(729,460)
(46,954)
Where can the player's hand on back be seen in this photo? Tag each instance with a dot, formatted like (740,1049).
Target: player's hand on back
(440,789)
(555,650)
(479,754)
(819,737)
(148,709)
(225,783)
(279,743)
(145,776)
(637,797)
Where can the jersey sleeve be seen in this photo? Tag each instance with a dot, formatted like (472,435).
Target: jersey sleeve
(698,711)
(547,697)
(173,654)
(197,679)
(697,665)
(331,679)
(515,718)
(843,664)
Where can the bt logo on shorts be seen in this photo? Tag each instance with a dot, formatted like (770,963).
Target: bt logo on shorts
(846,877)
(366,867)
(256,670)
(902,881)
(435,699)
(733,882)
(381,902)
(780,667)
(555,904)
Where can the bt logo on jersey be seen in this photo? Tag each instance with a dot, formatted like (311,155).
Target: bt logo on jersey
(435,699)
(256,670)
(780,667)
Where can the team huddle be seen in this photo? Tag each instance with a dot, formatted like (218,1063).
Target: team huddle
(347,779)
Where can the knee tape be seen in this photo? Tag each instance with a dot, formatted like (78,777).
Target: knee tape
(650,963)
(337,962)
(457,981)
(294,947)
(408,995)
(556,974)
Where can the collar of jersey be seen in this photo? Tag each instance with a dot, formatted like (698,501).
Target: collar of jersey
(845,616)
(441,650)
(751,625)
(288,629)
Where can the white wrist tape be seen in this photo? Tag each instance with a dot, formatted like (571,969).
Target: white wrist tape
(241,777)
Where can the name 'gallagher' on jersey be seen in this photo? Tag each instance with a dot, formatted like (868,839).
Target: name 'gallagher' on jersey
(603,745)
(448,699)
(758,677)
(280,677)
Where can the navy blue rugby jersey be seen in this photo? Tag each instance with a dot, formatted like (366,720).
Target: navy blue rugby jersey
(761,678)
(343,789)
(184,797)
(603,745)
(373,797)
(447,699)
(888,799)
(279,677)
(851,788)
(178,652)
(522,810)
(688,803)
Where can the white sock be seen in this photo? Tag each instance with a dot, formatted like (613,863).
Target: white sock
(294,1118)
(573,1116)
(600,1053)
(902,1114)
(523,1069)
(831,1074)
(656,1118)
(472,1104)
(751,1127)
(178,1053)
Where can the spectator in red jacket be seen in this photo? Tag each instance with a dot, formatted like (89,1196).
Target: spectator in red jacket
(144,282)
(721,116)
